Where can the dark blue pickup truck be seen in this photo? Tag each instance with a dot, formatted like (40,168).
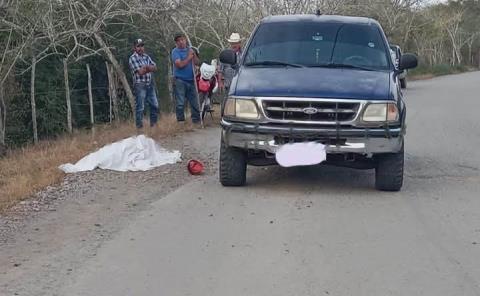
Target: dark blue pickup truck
(328,80)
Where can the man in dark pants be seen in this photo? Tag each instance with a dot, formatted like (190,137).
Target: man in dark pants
(142,67)
(183,58)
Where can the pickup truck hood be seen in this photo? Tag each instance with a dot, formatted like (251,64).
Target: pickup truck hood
(312,82)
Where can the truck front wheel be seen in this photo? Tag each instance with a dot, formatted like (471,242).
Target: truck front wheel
(233,166)
(389,171)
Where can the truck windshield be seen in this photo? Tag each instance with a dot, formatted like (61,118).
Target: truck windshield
(312,44)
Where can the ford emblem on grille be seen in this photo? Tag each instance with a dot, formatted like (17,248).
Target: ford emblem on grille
(310,110)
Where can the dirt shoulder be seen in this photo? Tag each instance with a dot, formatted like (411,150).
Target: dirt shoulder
(53,233)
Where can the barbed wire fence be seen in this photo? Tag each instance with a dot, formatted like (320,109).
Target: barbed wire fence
(52,107)
(52,110)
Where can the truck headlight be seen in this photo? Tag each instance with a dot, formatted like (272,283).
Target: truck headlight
(383,112)
(241,108)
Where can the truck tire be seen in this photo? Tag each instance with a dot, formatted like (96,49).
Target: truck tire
(403,83)
(389,171)
(233,166)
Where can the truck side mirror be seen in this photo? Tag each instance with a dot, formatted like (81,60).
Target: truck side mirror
(408,61)
(228,56)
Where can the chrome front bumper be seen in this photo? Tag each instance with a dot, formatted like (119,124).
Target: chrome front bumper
(362,141)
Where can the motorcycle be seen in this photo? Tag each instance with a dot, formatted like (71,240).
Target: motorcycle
(207,85)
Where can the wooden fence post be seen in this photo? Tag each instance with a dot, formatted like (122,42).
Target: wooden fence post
(90,97)
(67,96)
(32,100)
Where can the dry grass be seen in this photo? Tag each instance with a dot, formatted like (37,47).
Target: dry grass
(32,168)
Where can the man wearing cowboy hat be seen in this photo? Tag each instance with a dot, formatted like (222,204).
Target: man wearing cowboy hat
(228,71)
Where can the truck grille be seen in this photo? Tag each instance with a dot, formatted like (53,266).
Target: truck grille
(321,111)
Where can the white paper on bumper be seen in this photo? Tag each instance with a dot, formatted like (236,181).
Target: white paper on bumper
(138,153)
(300,154)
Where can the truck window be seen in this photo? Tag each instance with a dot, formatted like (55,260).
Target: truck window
(314,44)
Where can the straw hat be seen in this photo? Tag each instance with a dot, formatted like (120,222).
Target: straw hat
(234,38)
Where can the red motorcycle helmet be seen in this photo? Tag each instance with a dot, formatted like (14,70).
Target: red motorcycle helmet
(195,167)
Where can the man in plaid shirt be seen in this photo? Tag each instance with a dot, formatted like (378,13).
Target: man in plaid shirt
(142,67)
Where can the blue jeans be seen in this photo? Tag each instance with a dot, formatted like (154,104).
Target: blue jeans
(186,90)
(145,92)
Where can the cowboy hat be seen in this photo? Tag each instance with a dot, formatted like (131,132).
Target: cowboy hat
(234,38)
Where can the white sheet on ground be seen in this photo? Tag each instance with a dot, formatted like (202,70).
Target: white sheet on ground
(299,154)
(137,153)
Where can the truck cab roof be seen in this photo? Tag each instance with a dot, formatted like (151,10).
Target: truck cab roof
(320,19)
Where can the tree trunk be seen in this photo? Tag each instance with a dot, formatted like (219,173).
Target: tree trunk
(170,78)
(453,56)
(458,52)
(119,70)
(32,100)
(3,114)
(112,92)
(90,96)
(67,96)
(116,104)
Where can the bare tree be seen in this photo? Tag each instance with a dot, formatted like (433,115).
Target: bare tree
(451,24)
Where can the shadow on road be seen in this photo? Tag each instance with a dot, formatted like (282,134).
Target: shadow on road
(330,179)
(312,177)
